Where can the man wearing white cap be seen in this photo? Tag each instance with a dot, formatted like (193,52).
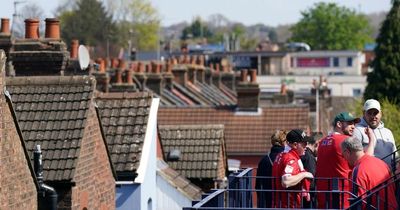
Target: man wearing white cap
(385,143)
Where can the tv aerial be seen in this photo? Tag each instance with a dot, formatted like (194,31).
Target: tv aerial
(83,57)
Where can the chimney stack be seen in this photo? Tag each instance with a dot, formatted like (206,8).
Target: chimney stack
(74,49)
(154,78)
(52,28)
(248,93)
(32,28)
(5,26)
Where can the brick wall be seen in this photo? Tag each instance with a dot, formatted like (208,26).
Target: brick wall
(17,188)
(95,184)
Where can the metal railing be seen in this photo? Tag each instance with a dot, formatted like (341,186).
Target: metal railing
(241,195)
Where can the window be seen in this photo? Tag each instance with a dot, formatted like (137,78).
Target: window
(335,61)
(357,92)
(349,61)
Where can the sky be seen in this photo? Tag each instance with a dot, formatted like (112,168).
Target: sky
(268,12)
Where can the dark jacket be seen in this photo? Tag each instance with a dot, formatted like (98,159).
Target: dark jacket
(309,161)
(265,170)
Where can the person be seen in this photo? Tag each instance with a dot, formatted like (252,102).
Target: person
(385,144)
(290,173)
(331,163)
(369,172)
(264,170)
(309,160)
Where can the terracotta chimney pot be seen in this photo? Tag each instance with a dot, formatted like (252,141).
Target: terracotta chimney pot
(32,29)
(141,67)
(211,65)
(52,28)
(5,26)
(253,76)
(201,60)
(149,68)
(129,79)
(114,63)
(243,75)
(168,67)
(74,48)
(102,65)
(121,64)
(118,75)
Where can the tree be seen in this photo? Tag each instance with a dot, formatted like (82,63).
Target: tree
(384,80)
(196,30)
(138,23)
(88,22)
(328,26)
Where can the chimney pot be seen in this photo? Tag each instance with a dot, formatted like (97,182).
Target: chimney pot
(102,65)
(253,76)
(118,75)
(121,64)
(52,28)
(217,67)
(201,60)
(193,60)
(74,48)
(141,67)
(129,79)
(114,63)
(32,28)
(5,26)
(243,75)
(212,66)
(148,68)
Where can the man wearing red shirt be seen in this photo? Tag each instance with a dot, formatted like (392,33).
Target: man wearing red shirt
(369,172)
(289,172)
(331,164)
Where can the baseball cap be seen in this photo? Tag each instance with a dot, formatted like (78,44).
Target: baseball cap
(372,104)
(297,135)
(345,117)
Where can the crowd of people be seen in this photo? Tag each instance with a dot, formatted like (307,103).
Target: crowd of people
(313,171)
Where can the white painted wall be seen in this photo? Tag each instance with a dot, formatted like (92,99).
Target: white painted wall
(148,162)
(339,85)
(169,197)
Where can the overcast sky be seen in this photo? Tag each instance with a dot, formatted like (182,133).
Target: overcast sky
(269,12)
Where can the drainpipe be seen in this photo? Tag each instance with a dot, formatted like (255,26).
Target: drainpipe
(47,196)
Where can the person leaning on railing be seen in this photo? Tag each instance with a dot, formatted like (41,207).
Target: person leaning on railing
(369,172)
(289,171)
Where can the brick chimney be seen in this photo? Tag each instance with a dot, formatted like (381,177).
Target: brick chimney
(119,85)
(2,72)
(248,92)
(39,57)
(140,75)
(154,78)
(102,77)
(5,36)
(167,75)
(180,73)
(216,76)
(52,28)
(228,78)
(208,74)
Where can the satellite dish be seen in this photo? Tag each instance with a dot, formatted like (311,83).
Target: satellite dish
(83,57)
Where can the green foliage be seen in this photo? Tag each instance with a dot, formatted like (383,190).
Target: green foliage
(88,22)
(384,80)
(196,30)
(328,26)
(390,115)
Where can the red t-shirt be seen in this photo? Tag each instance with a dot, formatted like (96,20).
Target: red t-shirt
(287,164)
(372,172)
(330,164)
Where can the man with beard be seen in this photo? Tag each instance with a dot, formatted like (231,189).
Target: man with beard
(331,163)
(385,144)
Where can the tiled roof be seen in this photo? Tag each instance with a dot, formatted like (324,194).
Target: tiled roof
(178,181)
(52,112)
(124,117)
(199,145)
(245,133)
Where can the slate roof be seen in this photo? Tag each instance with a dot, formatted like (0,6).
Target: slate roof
(124,117)
(245,133)
(52,112)
(178,181)
(199,145)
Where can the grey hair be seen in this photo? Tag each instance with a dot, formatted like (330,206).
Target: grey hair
(352,144)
